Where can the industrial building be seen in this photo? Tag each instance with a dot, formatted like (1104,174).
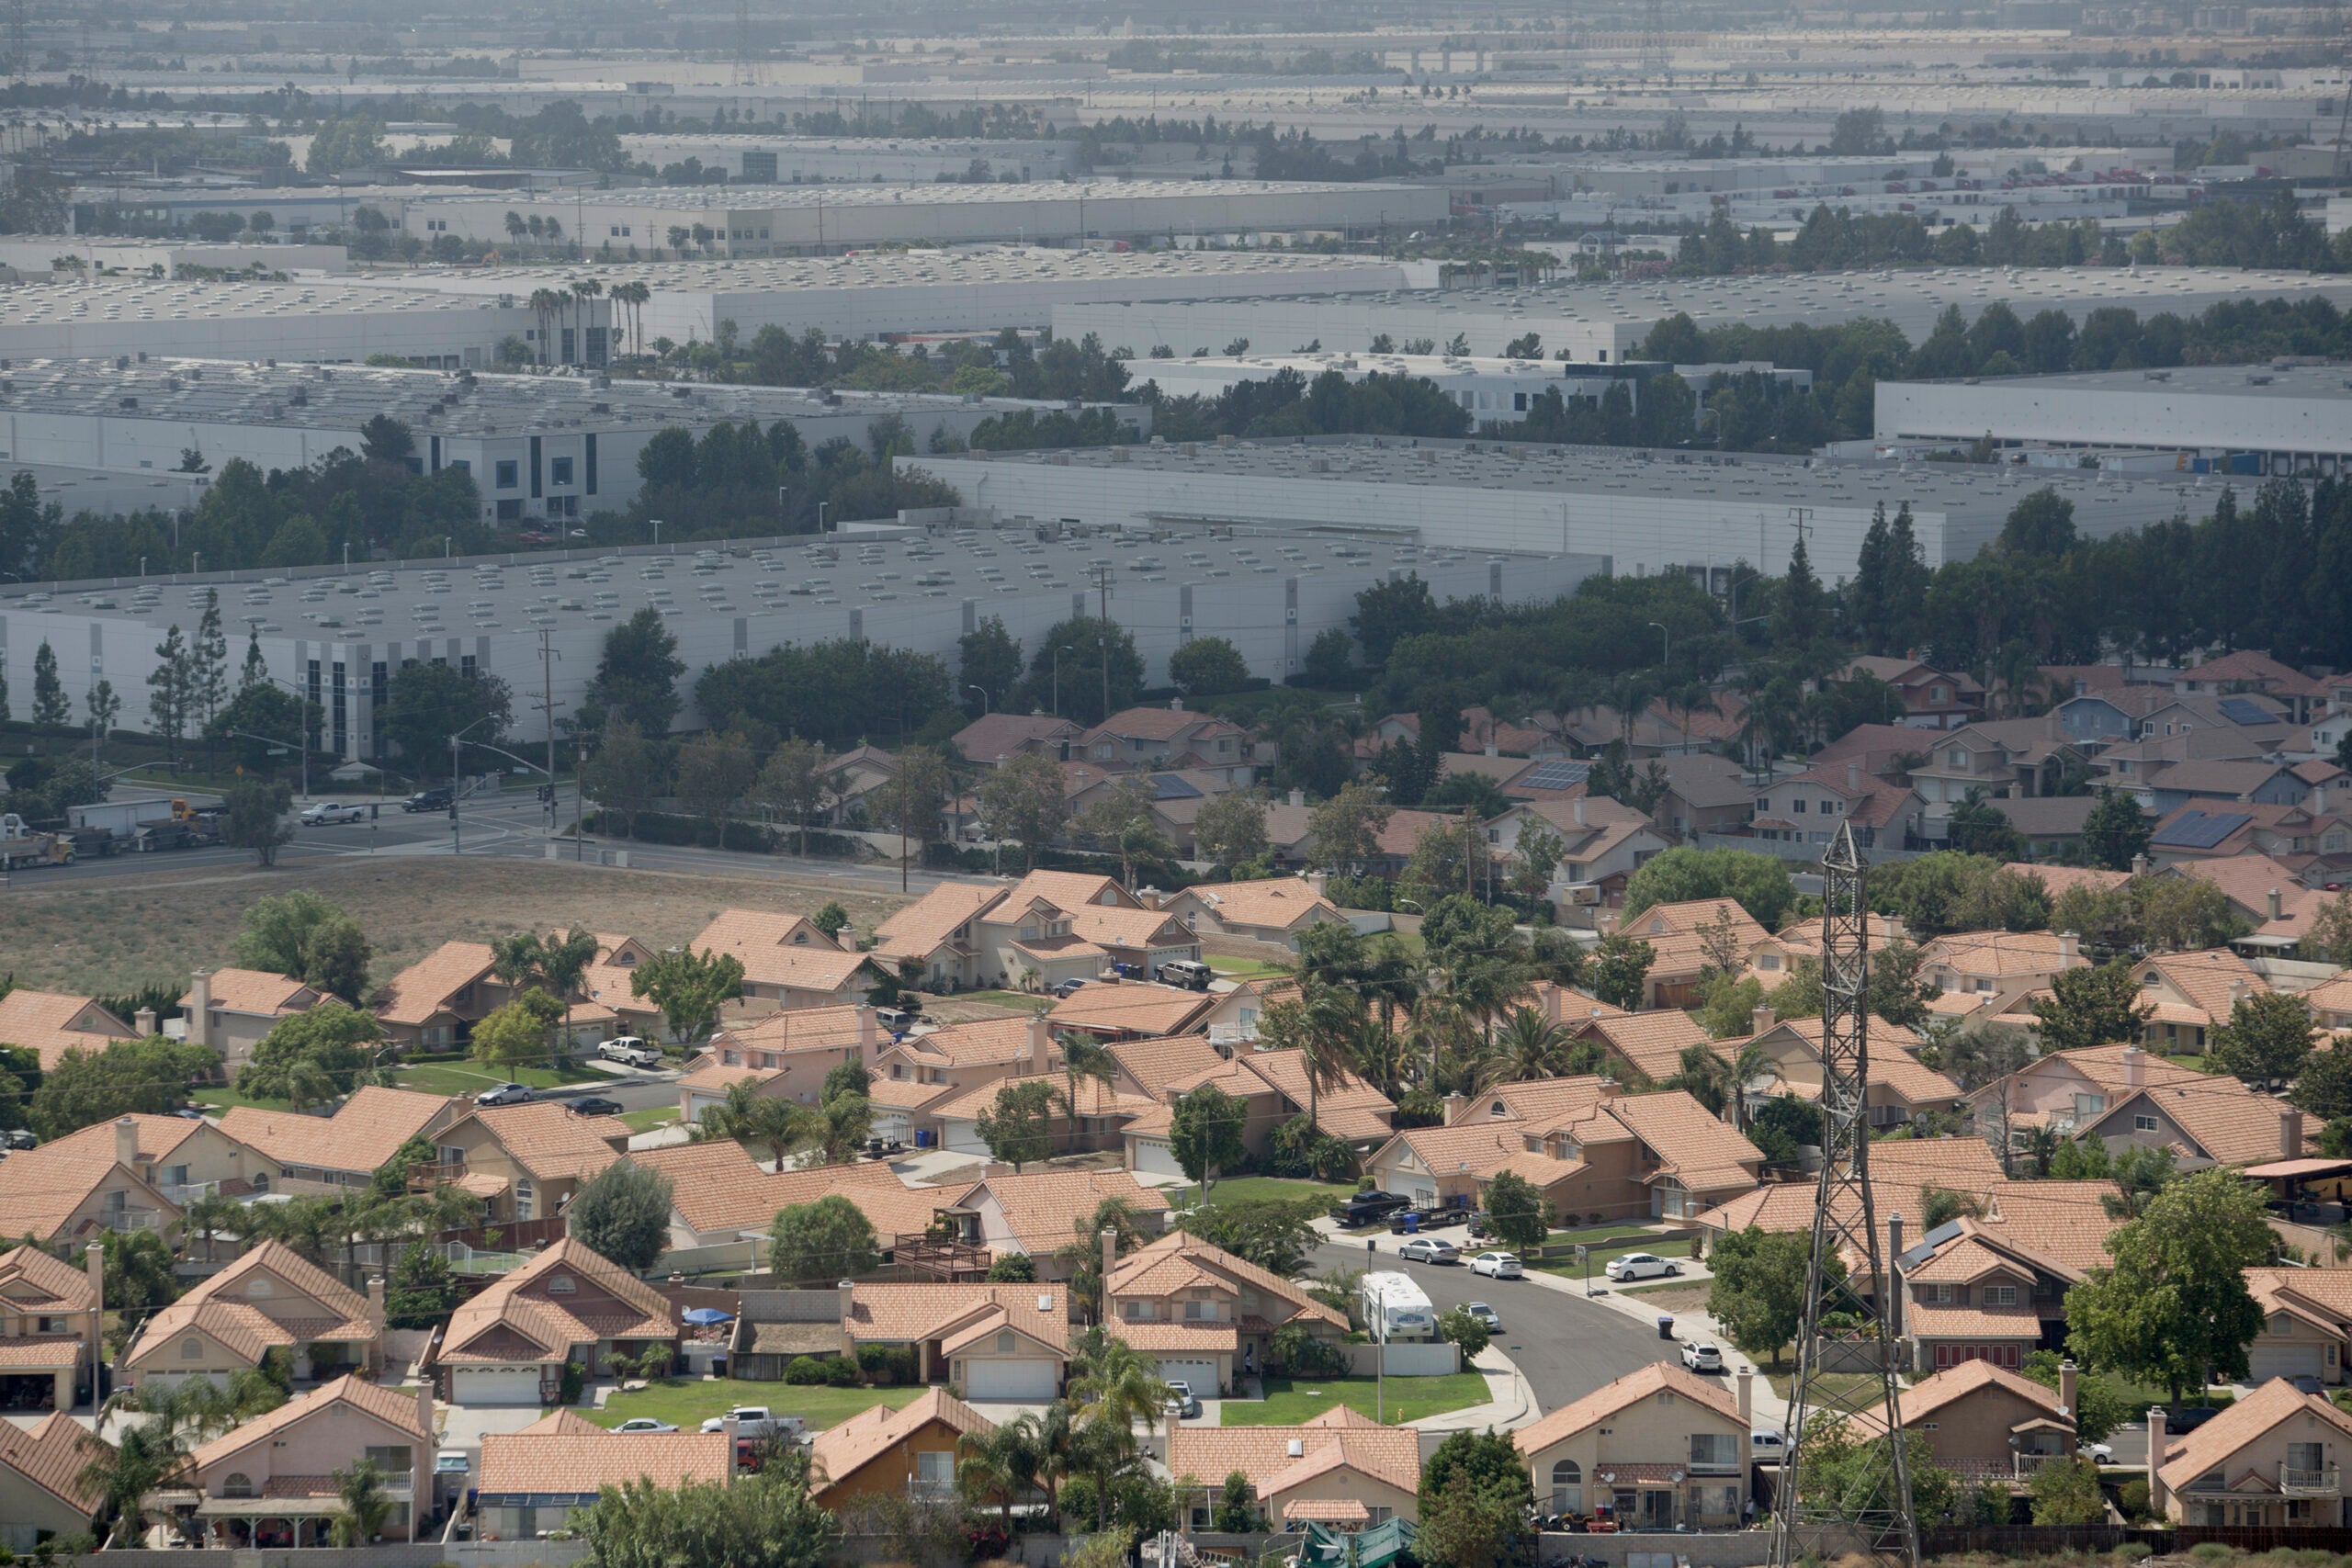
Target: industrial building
(1603,323)
(324,321)
(1645,511)
(2274,419)
(789,220)
(537,446)
(854,160)
(1503,390)
(341,634)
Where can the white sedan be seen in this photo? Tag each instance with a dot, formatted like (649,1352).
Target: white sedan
(1641,1266)
(1501,1265)
(645,1424)
(327,811)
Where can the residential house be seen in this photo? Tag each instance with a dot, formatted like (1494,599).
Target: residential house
(967,1056)
(2192,994)
(230,1010)
(2050,825)
(720,1194)
(608,1003)
(2217,1121)
(532,1480)
(1206,1314)
(49,1329)
(1885,751)
(1148,1066)
(437,1001)
(2246,670)
(984,1342)
(995,737)
(2306,1324)
(2293,835)
(1992,1284)
(2058,879)
(1275,911)
(1128,1011)
(2067,1091)
(1687,940)
(1101,1114)
(270,1481)
(1660,1449)
(509,1344)
(2109,716)
(1902,1172)
(933,935)
(72,1195)
(1601,843)
(1341,1468)
(2274,1458)
(1771,959)
(52,1023)
(786,959)
(1644,1048)
(1043,1211)
(1049,927)
(1705,793)
(185,1157)
(2324,737)
(1806,808)
(1900,1088)
(883,1452)
(2265,722)
(1983,974)
(1152,737)
(1233,1015)
(271,1298)
(1272,1087)
(785,1055)
(2279,908)
(44,1491)
(2256,783)
(1984,1422)
(2002,758)
(325,1153)
(524,1162)
(1932,699)
(2331,1001)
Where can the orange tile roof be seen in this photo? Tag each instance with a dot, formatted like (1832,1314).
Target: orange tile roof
(2002,955)
(52,1456)
(40,1188)
(421,992)
(1927,1320)
(395,1408)
(802,1029)
(575,1464)
(888,1314)
(40,1352)
(1043,1210)
(1957,1383)
(1652,1043)
(547,1138)
(1633,1388)
(980,1042)
(1136,1275)
(2231,1123)
(1095,1098)
(840,1452)
(220,1307)
(1348,1108)
(256,991)
(1156,1062)
(1485,1150)
(1542,1103)
(1673,932)
(760,938)
(543,1323)
(1277,903)
(32,1279)
(2204,978)
(52,1023)
(930,922)
(1697,1147)
(158,1135)
(1070,890)
(567,1421)
(2211,1446)
(1125,928)
(716,1186)
(1391,1455)
(1132,1008)
(364,1132)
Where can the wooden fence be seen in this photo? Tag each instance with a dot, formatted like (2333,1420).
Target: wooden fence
(2042,1540)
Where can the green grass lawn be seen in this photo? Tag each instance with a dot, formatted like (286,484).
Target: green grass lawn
(652,1116)
(1243,968)
(1614,1246)
(216,1099)
(1288,1403)
(688,1404)
(467,1077)
(1024,999)
(1244,1188)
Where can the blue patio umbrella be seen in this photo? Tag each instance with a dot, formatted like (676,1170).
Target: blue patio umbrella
(702,1316)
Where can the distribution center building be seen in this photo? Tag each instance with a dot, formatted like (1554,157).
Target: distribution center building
(1645,510)
(341,634)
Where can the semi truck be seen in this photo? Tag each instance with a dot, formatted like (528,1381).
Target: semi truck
(1395,1308)
(140,824)
(21,846)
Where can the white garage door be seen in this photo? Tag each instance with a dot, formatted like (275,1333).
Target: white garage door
(1154,1158)
(1198,1376)
(496,1385)
(2267,1361)
(962,1137)
(1027,1380)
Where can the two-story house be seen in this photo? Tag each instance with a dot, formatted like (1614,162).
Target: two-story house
(1041,1213)
(52,1195)
(1992,1284)
(436,1002)
(2224,829)
(882,1452)
(1932,698)
(1049,927)
(231,1010)
(48,1327)
(185,1157)
(524,1162)
(46,1489)
(1686,941)
(1601,843)
(509,1345)
(2066,1091)
(785,1055)
(2246,670)
(533,1480)
(52,1023)
(786,959)
(330,1153)
(1900,1086)
(1705,793)
(2167,790)
(2191,994)
(270,1299)
(2217,1121)
(2002,758)
(2274,1458)
(1660,1449)
(1806,808)
(1983,974)
(1981,1421)
(1276,911)
(1206,1314)
(1341,1470)
(995,737)
(1153,737)
(270,1481)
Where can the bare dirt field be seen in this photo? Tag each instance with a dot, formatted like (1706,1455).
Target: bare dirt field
(107,936)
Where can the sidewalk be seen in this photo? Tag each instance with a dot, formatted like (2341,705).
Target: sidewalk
(1513,1402)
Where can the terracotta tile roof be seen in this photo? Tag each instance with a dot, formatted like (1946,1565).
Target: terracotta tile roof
(2002,955)
(930,923)
(2231,1123)
(898,1314)
(52,1456)
(2248,881)
(718,1186)
(1877,802)
(421,992)
(905,1094)
(1896,1069)
(2258,670)
(543,1323)
(980,1042)
(2064,1228)
(1134,1009)
(158,1135)
(1095,1098)
(1070,890)
(1697,1147)
(1349,1110)
(2204,978)
(53,1024)
(2060,879)
(1280,903)
(547,1138)
(1154,723)
(256,991)
(40,1352)
(40,1188)
(395,1408)
(564,1420)
(1043,1210)
(220,1305)
(1633,1388)
(1901,1170)
(1122,927)
(713,1075)
(1155,1062)
(1672,931)
(1928,1321)
(1391,1455)
(798,1028)
(1652,1043)
(1137,1274)
(779,950)
(364,1132)
(32,1279)
(1542,1103)
(995,735)
(841,1451)
(2213,1445)
(1180,1338)
(1326,1511)
(577,1464)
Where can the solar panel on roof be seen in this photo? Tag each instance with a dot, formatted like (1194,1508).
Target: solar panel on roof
(1560,774)
(1170,787)
(2199,831)
(2246,710)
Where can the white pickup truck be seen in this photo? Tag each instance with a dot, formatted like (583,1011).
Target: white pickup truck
(630,1051)
(757,1421)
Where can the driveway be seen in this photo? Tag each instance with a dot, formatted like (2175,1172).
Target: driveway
(463,1425)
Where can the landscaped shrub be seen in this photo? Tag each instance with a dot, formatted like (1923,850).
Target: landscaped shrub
(834,1372)
(575,1380)
(886,1366)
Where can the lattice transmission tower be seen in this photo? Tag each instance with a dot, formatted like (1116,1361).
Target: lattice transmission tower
(1653,57)
(1849,1274)
(745,75)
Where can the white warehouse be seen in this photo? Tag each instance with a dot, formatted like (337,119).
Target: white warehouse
(856,160)
(1504,390)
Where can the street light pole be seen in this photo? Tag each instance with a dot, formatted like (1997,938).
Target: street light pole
(1057,680)
(457,837)
(984,698)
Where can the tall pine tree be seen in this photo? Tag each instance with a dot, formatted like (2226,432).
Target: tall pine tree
(1866,594)
(51,710)
(1800,619)
(1905,595)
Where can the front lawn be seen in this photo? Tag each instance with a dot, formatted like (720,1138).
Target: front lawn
(650,1118)
(469,1077)
(1615,1246)
(1245,968)
(1244,1188)
(1288,1403)
(216,1099)
(689,1403)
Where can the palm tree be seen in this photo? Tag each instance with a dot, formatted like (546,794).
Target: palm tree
(678,236)
(1083,1056)
(517,228)
(365,1506)
(1531,1046)
(564,961)
(999,1464)
(212,1214)
(1324,1024)
(634,294)
(584,290)
(1118,1387)
(749,1117)
(544,303)
(148,1455)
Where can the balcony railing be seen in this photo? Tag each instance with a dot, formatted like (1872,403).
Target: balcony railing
(2027,1462)
(132,1219)
(2325,1482)
(424,1178)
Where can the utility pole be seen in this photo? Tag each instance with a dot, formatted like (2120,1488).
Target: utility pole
(1103,587)
(546,674)
(1845,1223)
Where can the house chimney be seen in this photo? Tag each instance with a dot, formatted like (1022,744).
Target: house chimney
(848,1289)
(1109,1262)
(126,1141)
(2070,949)
(144,1019)
(2135,1069)
(2271,898)
(376,1302)
(2140,865)
(733,1452)
(1491,750)
(2156,1460)
(1554,995)
(1576,806)
(1454,1107)
(2290,1133)
(1041,1045)
(1762,1020)
(199,1007)
(869,1035)
(1744,1383)
(2237,994)
(94,1265)
(2066,1374)
(1853,778)
(1895,1277)
(424,1405)
(1299,797)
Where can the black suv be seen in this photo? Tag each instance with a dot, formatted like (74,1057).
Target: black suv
(1368,1208)
(427,800)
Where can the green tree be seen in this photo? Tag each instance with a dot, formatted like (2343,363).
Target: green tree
(305,938)
(1019,1127)
(755,1120)
(831,919)
(1758,883)
(690,988)
(763,1520)
(257,819)
(423,1291)
(1204,1134)
(1457,1326)
(987,657)
(2098,1006)
(364,1504)
(637,674)
(1119,822)
(384,439)
(2099,1405)
(84,1088)
(793,784)
(314,1055)
(625,772)
(1208,667)
(1344,831)
(1516,1211)
(138,1272)
(171,691)
(2184,914)
(1978,827)
(623,1213)
(2174,1308)
(1100,670)
(1757,1292)
(1476,1502)
(2066,1492)
(515,1034)
(844,1078)
(826,1240)
(1231,829)
(51,710)
(1275,1234)
(1022,799)
(429,703)
(2324,1086)
(2117,832)
(1619,968)
(1236,1509)
(2266,1038)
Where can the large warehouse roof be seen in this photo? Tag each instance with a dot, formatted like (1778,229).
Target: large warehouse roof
(779,198)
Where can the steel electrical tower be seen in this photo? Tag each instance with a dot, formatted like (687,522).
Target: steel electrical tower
(1869,1510)
(745,74)
(1654,61)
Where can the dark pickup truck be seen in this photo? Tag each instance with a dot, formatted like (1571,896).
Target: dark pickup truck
(1369,1208)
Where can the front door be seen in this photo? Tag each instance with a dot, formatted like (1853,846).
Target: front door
(1657,1508)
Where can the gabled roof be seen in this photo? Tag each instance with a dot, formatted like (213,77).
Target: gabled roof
(575,1464)
(40,1188)
(52,1456)
(647,1313)
(2213,1445)
(34,1280)
(1281,903)
(995,735)
(421,992)
(547,1138)
(1348,1108)
(1652,1042)
(1045,1209)
(930,923)
(1155,724)
(2258,670)
(2231,1123)
(158,1135)
(1279,1300)
(1157,1061)
(1673,932)
(2205,978)
(2060,879)
(1954,1384)
(364,1132)
(52,1023)
(256,991)
(2002,955)
(801,1029)
(395,1408)
(1391,1455)
(841,1451)
(716,1186)
(1132,1008)
(891,1313)
(779,950)
(1071,890)
(222,1308)
(1633,1388)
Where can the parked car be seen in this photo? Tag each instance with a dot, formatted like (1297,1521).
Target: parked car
(428,800)
(1486,1314)
(18,1138)
(452,1461)
(645,1424)
(594,1105)
(1066,988)
(506,1094)
(327,811)
(1765,1443)
(1701,1356)
(756,1421)
(2188,1420)
(1641,1266)
(2101,1453)
(1429,1250)
(1180,1395)
(630,1051)
(1365,1208)
(1501,1265)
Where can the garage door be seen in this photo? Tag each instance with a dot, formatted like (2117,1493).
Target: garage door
(1198,1376)
(1154,1158)
(962,1137)
(1027,1380)
(2267,1361)
(496,1385)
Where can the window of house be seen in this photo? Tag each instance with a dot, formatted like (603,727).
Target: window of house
(1714,1448)
(1768,961)
(1004,1342)
(1568,1487)
(393,1459)
(258,1287)
(2000,1296)
(2144,1124)
(1960,760)
(1195,1311)
(236,1483)
(1136,1311)
(1939,1293)
(1499,1109)
(524,1200)
(1799,805)
(561,1285)
(191,1349)
(936,1470)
